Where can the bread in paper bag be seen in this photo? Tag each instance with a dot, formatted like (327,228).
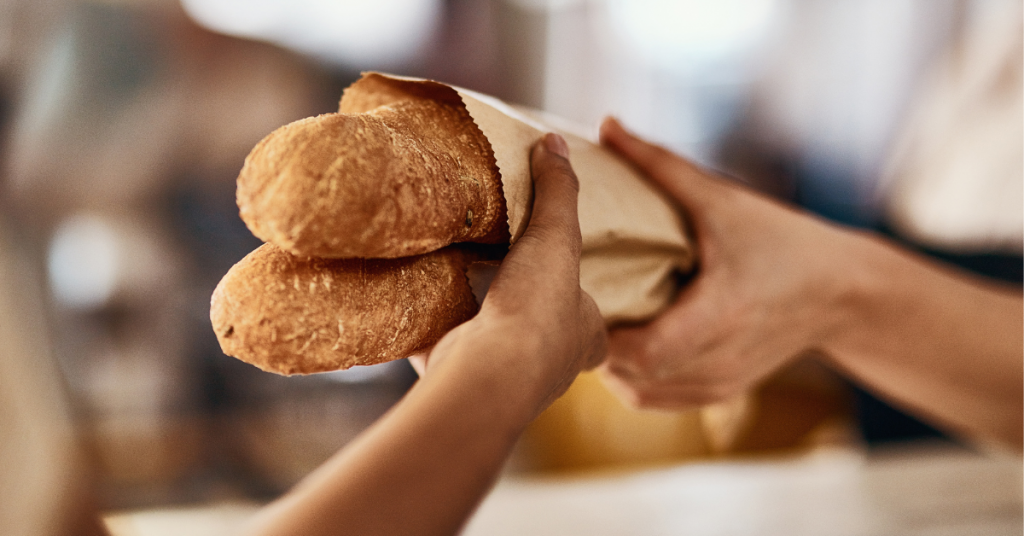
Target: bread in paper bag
(407,167)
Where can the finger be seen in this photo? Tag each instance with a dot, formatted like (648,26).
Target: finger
(666,395)
(682,180)
(680,340)
(628,353)
(546,258)
(648,395)
(659,349)
(556,191)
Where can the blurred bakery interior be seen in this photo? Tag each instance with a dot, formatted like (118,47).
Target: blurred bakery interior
(123,124)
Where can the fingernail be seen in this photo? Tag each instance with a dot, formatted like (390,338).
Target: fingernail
(556,144)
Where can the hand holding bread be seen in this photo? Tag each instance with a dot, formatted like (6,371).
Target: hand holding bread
(356,207)
(404,170)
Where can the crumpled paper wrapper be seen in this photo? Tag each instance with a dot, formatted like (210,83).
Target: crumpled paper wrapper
(635,242)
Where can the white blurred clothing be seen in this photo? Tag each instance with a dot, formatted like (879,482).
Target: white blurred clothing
(956,181)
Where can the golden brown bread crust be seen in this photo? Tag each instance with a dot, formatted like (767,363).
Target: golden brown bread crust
(290,315)
(402,179)
(374,90)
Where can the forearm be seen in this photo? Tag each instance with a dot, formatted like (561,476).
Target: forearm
(424,467)
(944,345)
(421,469)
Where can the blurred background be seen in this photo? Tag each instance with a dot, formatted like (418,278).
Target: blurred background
(124,123)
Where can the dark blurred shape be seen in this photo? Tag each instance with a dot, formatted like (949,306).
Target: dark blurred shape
(882,424)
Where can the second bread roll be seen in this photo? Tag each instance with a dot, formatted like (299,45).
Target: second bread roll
(290,315)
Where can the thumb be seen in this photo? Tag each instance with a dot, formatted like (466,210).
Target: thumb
(556,190)
(689,185)
(548,253)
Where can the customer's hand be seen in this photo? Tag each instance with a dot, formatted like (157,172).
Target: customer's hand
(536,325)
(775,283)
(763,295)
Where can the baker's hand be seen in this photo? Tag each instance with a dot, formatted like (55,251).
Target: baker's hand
(763,295)
(536,325)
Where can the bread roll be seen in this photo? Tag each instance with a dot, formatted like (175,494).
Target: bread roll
(290,315)
(404,178)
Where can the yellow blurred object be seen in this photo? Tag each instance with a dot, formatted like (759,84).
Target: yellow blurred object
(589,428)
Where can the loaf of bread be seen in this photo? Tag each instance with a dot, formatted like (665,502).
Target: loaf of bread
(293,315)
(384,180)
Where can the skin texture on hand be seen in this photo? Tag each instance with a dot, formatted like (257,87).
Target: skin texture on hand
(527,311)
(763,288)
(775,283)
(425,465)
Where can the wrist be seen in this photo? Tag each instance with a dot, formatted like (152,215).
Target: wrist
(481,377)
(862,279)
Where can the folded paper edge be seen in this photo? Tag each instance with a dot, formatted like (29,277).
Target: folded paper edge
(516,182)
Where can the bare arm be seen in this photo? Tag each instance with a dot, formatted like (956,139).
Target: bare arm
(943,344)
(424,467)
(776,283)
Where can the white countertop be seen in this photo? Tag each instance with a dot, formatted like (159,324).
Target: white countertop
(919,491)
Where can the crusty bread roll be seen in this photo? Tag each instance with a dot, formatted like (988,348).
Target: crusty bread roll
(357,209)
(290,315)
(404,178)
